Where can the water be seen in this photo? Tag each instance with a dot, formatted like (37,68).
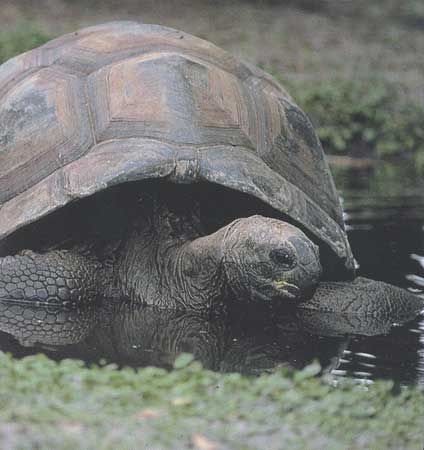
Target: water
(385,221)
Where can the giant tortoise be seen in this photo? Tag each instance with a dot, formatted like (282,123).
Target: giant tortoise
(165,170)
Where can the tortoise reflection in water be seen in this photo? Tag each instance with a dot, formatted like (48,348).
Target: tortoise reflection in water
(123,102)
(129,333)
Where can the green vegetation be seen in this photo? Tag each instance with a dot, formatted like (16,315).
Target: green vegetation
(66,405)
(24,37)
(408,12)
(368,117)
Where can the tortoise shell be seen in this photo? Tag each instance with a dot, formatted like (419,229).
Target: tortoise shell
(126,101)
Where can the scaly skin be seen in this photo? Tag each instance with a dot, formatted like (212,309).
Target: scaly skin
(364,298)
(59,277)
(162,259)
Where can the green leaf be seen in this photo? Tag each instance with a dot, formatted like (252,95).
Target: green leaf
(183,360)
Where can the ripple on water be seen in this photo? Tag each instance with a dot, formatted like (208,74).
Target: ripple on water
(384,214)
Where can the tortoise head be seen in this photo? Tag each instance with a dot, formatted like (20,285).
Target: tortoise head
(269,260)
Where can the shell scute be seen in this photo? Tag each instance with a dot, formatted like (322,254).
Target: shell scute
(123,101)
(44,124)
(171,97)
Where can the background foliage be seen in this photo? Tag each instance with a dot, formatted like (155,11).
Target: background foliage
(22,38)
(364,118)
(363,103)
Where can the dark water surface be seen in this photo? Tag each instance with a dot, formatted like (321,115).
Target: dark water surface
(385,218)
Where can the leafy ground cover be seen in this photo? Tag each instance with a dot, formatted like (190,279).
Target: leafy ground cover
(65,405)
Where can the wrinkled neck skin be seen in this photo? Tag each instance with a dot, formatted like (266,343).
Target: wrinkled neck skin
(165,263)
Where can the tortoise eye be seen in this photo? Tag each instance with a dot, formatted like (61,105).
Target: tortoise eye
(283,258)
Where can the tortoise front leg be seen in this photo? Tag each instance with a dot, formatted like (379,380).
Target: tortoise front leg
(56,277)
(365,298)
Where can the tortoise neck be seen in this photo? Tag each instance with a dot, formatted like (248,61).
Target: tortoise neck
(164,262)
(194,272)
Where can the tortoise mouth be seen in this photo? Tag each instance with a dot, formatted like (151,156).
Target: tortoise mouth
(287,290)
(277,291)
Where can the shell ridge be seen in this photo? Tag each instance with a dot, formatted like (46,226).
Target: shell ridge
(109,115)
(90,112)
